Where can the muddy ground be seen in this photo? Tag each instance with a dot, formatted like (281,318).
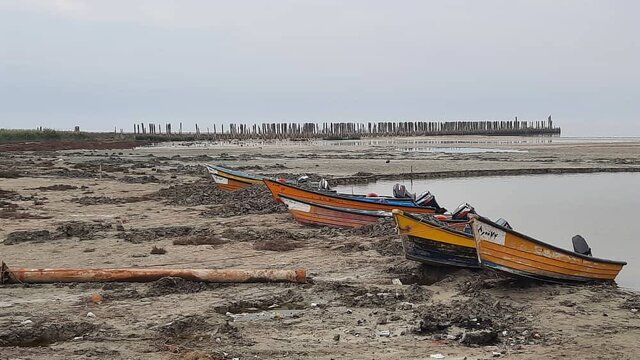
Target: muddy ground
(111,208)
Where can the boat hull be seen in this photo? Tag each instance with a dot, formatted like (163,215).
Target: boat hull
(229,180)
(505,250)
(335,200)
(313,214)
(434,245)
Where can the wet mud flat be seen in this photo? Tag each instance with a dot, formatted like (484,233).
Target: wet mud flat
(364,300)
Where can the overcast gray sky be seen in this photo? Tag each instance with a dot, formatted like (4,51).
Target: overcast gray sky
(100,64)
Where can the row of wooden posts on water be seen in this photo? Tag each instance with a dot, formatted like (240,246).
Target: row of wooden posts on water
(347,130)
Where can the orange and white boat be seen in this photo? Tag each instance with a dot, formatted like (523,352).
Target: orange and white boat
(315,214)
(230,180)
(424,204)
(503,249)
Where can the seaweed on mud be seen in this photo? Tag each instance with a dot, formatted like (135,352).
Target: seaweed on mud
(479,320)
(37,236)
(255,199)
(82,229)
(43,333)
(56,187)
(199,240)
(102,200)
(144,179)
(255,234)
(137,236)
(277,245)
(352,295)
(174,285)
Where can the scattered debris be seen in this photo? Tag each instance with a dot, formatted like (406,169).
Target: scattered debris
(158,250)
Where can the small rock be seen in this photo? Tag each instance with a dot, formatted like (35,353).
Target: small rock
(349,311)
(536,335)
(436,356)
(384,333)
(634,310)
(505,333)
(496,354)
(479,337)
(119,227)
(336,337)
(396,282)
(314,305)
(26,322)
(91,315)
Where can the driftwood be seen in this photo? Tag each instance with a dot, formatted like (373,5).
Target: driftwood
(25,275)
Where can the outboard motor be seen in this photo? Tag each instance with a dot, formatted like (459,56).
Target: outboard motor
(462,212)
(580,245)
(400,192)
(324,185)
(427,199)
(504,223)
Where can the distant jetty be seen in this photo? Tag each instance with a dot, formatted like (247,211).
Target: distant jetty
(348,130)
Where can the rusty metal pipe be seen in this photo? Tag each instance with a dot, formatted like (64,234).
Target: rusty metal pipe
(25,275)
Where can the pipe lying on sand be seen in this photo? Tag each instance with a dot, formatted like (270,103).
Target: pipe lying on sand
(25,275)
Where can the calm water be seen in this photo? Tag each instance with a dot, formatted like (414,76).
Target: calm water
(552,208)
(458,150)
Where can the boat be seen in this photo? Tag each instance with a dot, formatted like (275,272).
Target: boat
(439,239)
(502,249)
(230,180)
(316,214)
(423,204)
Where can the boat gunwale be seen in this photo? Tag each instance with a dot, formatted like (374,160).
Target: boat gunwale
(432,224)
(539,242)
(410,204)
(236,173)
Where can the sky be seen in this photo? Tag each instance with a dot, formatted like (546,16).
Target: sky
(107,64)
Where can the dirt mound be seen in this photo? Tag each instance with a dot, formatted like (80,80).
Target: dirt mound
(37,236)
(57,187)
(102,200)
(43,333)
(254,199)
(478,321)
(383,227)
(144,179)
(253,234)
(141,235)
(185,327)
(76,174)
(276,245)
(9,174)
(389,247)
(372,296)
(173,285)
(200,192)
(10,195)
(82,229)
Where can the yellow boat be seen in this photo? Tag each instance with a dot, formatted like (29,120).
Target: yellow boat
(436,242)
(503,249)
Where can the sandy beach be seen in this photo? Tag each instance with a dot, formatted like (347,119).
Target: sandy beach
(109,208)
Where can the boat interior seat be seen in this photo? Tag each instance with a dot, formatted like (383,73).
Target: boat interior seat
(580,245)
